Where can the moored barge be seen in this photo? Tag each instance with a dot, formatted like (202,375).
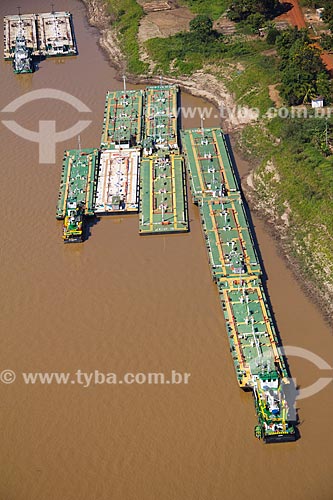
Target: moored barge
(29,36)
(254,344)
(123,115)
(77,191)
(163,207)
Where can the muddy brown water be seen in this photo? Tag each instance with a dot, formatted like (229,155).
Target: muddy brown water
(124,303)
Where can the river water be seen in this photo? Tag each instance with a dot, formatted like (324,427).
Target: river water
(123,303)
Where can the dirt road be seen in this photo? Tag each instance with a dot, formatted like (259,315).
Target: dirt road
(295,17)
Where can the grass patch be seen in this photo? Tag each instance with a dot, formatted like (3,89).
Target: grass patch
(250,85)
(183,53)
(213,9)
(126,16)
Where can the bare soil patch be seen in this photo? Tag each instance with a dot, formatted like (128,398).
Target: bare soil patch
(275,95)
(163,22)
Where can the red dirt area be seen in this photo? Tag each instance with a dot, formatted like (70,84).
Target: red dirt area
(328,60)
(295,17)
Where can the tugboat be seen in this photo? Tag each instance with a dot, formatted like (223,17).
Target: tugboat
(22,62)
(73,223)
(272,410)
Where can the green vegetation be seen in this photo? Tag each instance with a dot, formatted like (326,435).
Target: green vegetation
(326,41)
(186,52)
(328,9)
(301,179)
(212,9)
(253,15)
(303,74)
(241,10)
(126,17)
(250,84)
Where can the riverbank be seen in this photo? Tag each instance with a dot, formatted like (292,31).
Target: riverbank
(308,265)
(213,90)
(318,289)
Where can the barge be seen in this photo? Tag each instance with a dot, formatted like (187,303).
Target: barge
(77,191)
(28,36)
(163,207)
(228,239)
(235,268)
(17,26)
(163,200)
(161,119)
(117,188)
(209,164)
(56,34)
(123,116)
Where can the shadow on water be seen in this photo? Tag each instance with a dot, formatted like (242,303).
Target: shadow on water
(36,60)
(90,222)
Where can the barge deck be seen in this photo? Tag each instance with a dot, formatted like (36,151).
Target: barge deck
(78,180)
(56,34)
(117,189)
(228,238)
(251,333)
(209,164)
(15,26)
(163,206)
(123,115)
(161,118)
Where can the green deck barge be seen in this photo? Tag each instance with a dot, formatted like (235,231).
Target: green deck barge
(257,357)
(228,239)
(163,205)
(209,164)
(78,180)
(161,118)
(122,125)
(234,264)
(252,336)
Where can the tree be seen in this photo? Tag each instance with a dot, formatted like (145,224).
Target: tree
(287,39)
(326,41)
(202,26)
(309,91)
(272,35)
(304,75)
(324,87)
(255,21)
(328,13)
(240,10)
